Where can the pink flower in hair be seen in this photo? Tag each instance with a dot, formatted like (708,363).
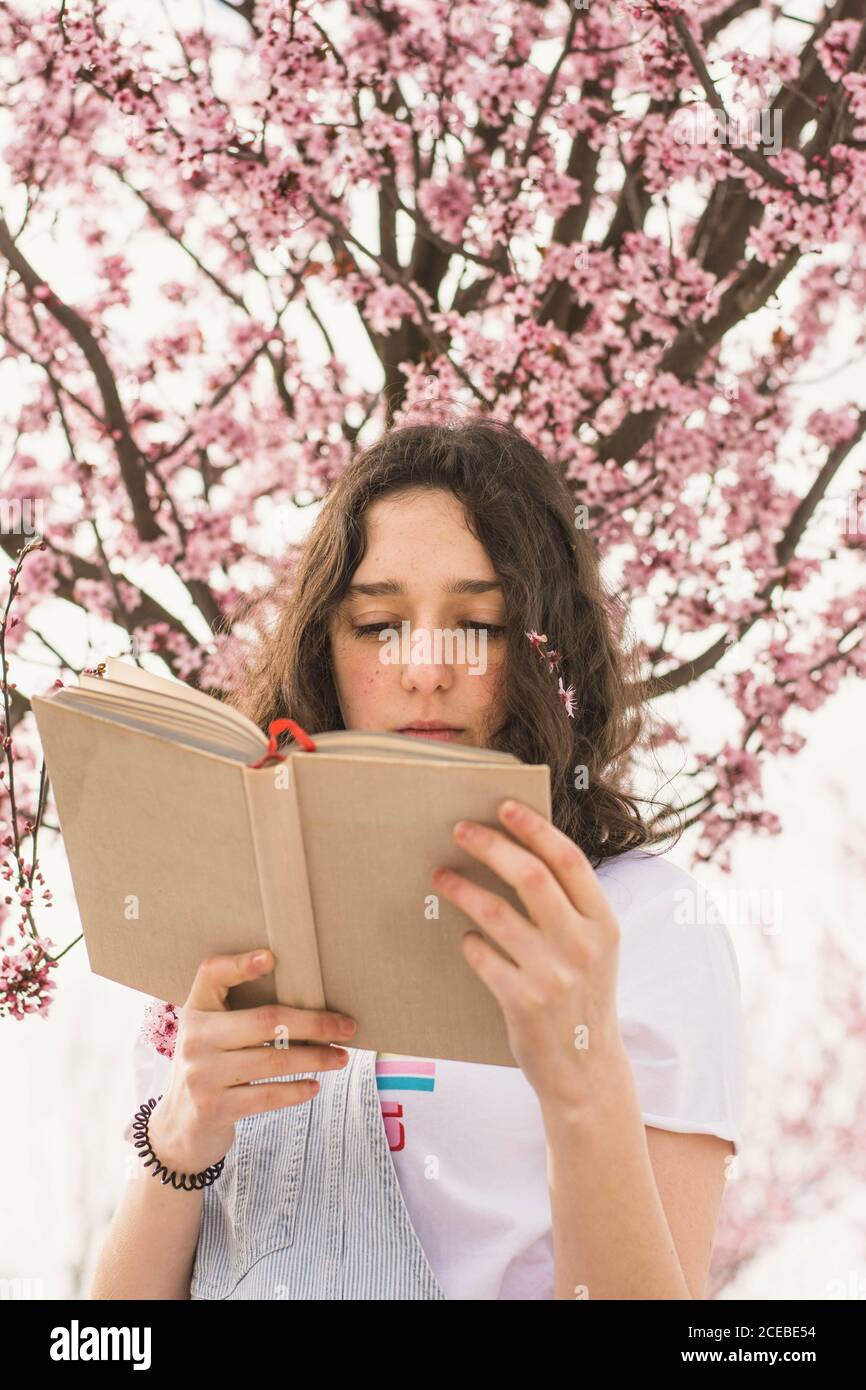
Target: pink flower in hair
(553,658)
(567,698)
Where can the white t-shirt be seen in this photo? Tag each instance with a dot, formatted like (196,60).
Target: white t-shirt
(467,1141)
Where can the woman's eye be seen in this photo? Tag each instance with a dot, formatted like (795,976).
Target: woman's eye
(374,629)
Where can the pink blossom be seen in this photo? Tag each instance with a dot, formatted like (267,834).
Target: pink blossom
(160,1027)
(567,697)
(447,205)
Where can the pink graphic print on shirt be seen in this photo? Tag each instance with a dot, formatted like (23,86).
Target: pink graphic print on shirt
(395,1073)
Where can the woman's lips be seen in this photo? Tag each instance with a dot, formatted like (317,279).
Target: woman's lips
(439,735)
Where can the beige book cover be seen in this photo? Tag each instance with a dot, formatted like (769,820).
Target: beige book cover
(179,849)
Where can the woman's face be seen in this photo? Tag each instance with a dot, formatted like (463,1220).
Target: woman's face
(420,554)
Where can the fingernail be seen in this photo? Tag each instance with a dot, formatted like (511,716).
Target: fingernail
(347,1025)
(260,958)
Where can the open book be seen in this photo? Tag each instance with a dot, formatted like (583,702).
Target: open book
(180,849)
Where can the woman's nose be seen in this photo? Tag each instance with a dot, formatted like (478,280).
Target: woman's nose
(425,666)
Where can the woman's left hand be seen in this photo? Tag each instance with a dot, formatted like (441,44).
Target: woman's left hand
(557,990)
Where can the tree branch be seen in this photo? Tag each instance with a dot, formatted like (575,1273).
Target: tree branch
(785,549)
(147,612)
(128,455)
(748,293)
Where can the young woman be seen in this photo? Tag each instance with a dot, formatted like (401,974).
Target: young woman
(596,1167)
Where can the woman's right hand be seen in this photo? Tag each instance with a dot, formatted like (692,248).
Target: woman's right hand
(219,1050)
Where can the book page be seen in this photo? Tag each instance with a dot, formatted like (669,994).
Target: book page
(160,709)
(130,674)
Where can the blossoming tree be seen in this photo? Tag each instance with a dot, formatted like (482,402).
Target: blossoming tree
(631,226)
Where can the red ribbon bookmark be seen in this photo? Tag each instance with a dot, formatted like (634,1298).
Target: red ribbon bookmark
(279,726)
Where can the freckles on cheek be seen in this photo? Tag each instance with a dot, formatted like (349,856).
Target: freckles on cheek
(365,681)
(362,672)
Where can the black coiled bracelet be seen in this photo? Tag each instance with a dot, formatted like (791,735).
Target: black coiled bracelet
(188,1182)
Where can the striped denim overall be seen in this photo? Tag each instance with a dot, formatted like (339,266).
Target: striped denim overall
(308,1205)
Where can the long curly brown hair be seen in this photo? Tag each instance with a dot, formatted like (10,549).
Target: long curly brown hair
(520,509)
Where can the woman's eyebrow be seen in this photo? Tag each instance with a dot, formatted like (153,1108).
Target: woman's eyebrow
(395,586)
